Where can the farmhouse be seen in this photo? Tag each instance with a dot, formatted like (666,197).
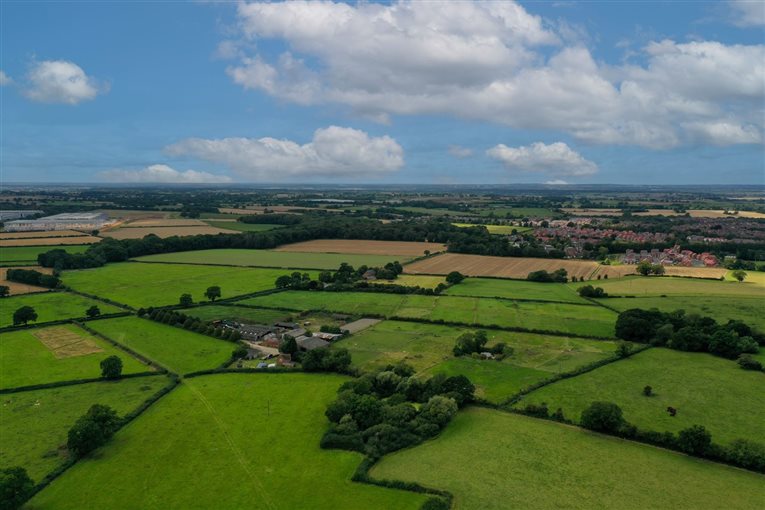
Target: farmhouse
(63,221)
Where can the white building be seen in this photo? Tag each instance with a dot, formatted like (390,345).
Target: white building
(64,221)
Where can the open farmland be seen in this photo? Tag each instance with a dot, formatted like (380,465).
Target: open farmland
(56,353)
(243,227)
(579,211)
(27,255)
(662,285)
(164,222)
(492,460)
(16,288)
(705,390)
(236,313)
(428,348)
(48,242)
(51,306)
(515,289)
(505,267)
(496,229)
(34,424)
(271,258)
(752,277)
(174,348)
(517,212)
(141,232)
(40,234)
(565,318)
(412,280)
(361,247)
(138,284)
(249,440)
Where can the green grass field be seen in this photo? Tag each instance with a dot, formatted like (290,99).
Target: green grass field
(242,227)
(721,308)
(51,306)
(177,349)
(516,212)
(25,360)
(752,277)
(226,441)
(428,348)
(492,460)
(496,229)
(143,285)
(34,424)
(705,390)
(237,313)
(566,318)
(415,280)
(268,258)
(17,255)
(652,286)
(515,289)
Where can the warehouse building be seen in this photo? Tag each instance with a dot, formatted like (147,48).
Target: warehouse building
(64,221)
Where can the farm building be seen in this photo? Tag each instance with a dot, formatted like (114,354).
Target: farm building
(64,221)
(309,343)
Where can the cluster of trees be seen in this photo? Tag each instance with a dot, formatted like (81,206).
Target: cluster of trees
(589,291)
(344,276)
(272,219)
(645,268)
(688,332)
(178,319)
(92,430)
(5,291)
(469,344)
(32,277)
(557,276)
(16,487)
(608,418)
(390,409)
(212,293)
(325,360)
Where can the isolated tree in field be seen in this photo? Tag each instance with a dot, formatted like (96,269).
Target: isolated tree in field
(454,277)
(186,300)
(647,391)
(111,367)
(24,315)
(694,440)
(212,293)
(427,252)
(602,417)
(92,430)
(657,269)
(4,290)
(644,268)
(15,488)
(93,311)
(283,282)
(739,274)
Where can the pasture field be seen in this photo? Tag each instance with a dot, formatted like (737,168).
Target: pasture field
(496,229)
(177,349)
(245,440)
(49,242)
(237,313)
(580,211)
(492,460)
(15,288)
(412,280)
(505,267)
(141,232)
(427,211)
(56,353)
(242,227)
(362,247)
(271,258)
(28,254)
(517,212)
(515,289)
(428,348)
(752,277)
(51,306)
(138,284)
(705,390)
(563,317)
(164,222)
(662,285)
(34,424)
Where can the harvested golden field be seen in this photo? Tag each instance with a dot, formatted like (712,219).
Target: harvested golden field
(165,222)
(506,267)
(42,233)
(49,241)
(362,247)
(22,288)
(139,232)
(695,272)
(64,342)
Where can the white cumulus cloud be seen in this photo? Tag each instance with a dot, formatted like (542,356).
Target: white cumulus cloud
(163,174)
(483,60)
(5,79)
(554,159)
(333,151)
(60,81)
(748,13)
(459,151)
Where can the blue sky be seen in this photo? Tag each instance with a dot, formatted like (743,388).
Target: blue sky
(575,92)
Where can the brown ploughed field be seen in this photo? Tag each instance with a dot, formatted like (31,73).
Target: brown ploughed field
(362,247)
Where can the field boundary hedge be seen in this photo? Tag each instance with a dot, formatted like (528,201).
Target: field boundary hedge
(247,370)
(98,298)
(514,399)
(8,329)
(75,382)
(361,475)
